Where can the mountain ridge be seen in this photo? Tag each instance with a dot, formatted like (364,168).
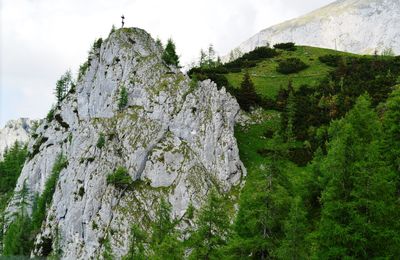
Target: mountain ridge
(356,26)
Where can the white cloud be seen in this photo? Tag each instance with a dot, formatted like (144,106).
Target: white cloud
(41,39)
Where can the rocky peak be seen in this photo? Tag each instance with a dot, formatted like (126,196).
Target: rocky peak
(15,130)
(357,26)
(174,137)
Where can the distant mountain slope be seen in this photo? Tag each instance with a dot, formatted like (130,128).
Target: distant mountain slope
(14,130)
(357,26)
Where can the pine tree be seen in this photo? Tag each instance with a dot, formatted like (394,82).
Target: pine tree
(247,96)
(358,217)
(169,55)
(212,229)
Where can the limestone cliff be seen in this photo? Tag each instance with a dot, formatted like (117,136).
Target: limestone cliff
(175,137)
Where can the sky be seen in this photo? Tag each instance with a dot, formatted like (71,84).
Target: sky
(41,39)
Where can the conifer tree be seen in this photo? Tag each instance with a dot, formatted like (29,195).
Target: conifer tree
(293,245)
(163,224)
(169,55)
(63,85)
(17,239)
(248,96)
(263,207)
(123,98)
(358,217)
(203,58)
(165,243)
(391,127)
(212,229)
(211,56)
(290,114)
(137,241)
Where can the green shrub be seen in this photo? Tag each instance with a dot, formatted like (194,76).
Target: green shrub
(119,178)
(97,44)
(330,59)
(101,141)
(82,69)
(287,46)
(291,65)
(81,191)
(50,114)
(123,98)
(260,53)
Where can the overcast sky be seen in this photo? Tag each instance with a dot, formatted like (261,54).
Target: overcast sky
(41,39)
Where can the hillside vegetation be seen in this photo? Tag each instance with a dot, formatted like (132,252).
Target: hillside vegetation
(323,177)
(319,136)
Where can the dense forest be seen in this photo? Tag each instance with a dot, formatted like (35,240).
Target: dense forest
(322,152)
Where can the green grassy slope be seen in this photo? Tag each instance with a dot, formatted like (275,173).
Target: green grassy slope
(268,81)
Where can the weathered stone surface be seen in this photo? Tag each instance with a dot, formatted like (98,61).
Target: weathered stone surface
(175,138)
(15,130)
(357,26)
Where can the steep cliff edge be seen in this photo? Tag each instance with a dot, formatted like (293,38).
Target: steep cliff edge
(175,137)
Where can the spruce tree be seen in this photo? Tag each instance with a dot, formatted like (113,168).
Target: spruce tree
(247,96)
(169,55)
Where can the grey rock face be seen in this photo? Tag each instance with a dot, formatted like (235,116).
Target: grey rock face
(175,138)
(15,131)
(357,26)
